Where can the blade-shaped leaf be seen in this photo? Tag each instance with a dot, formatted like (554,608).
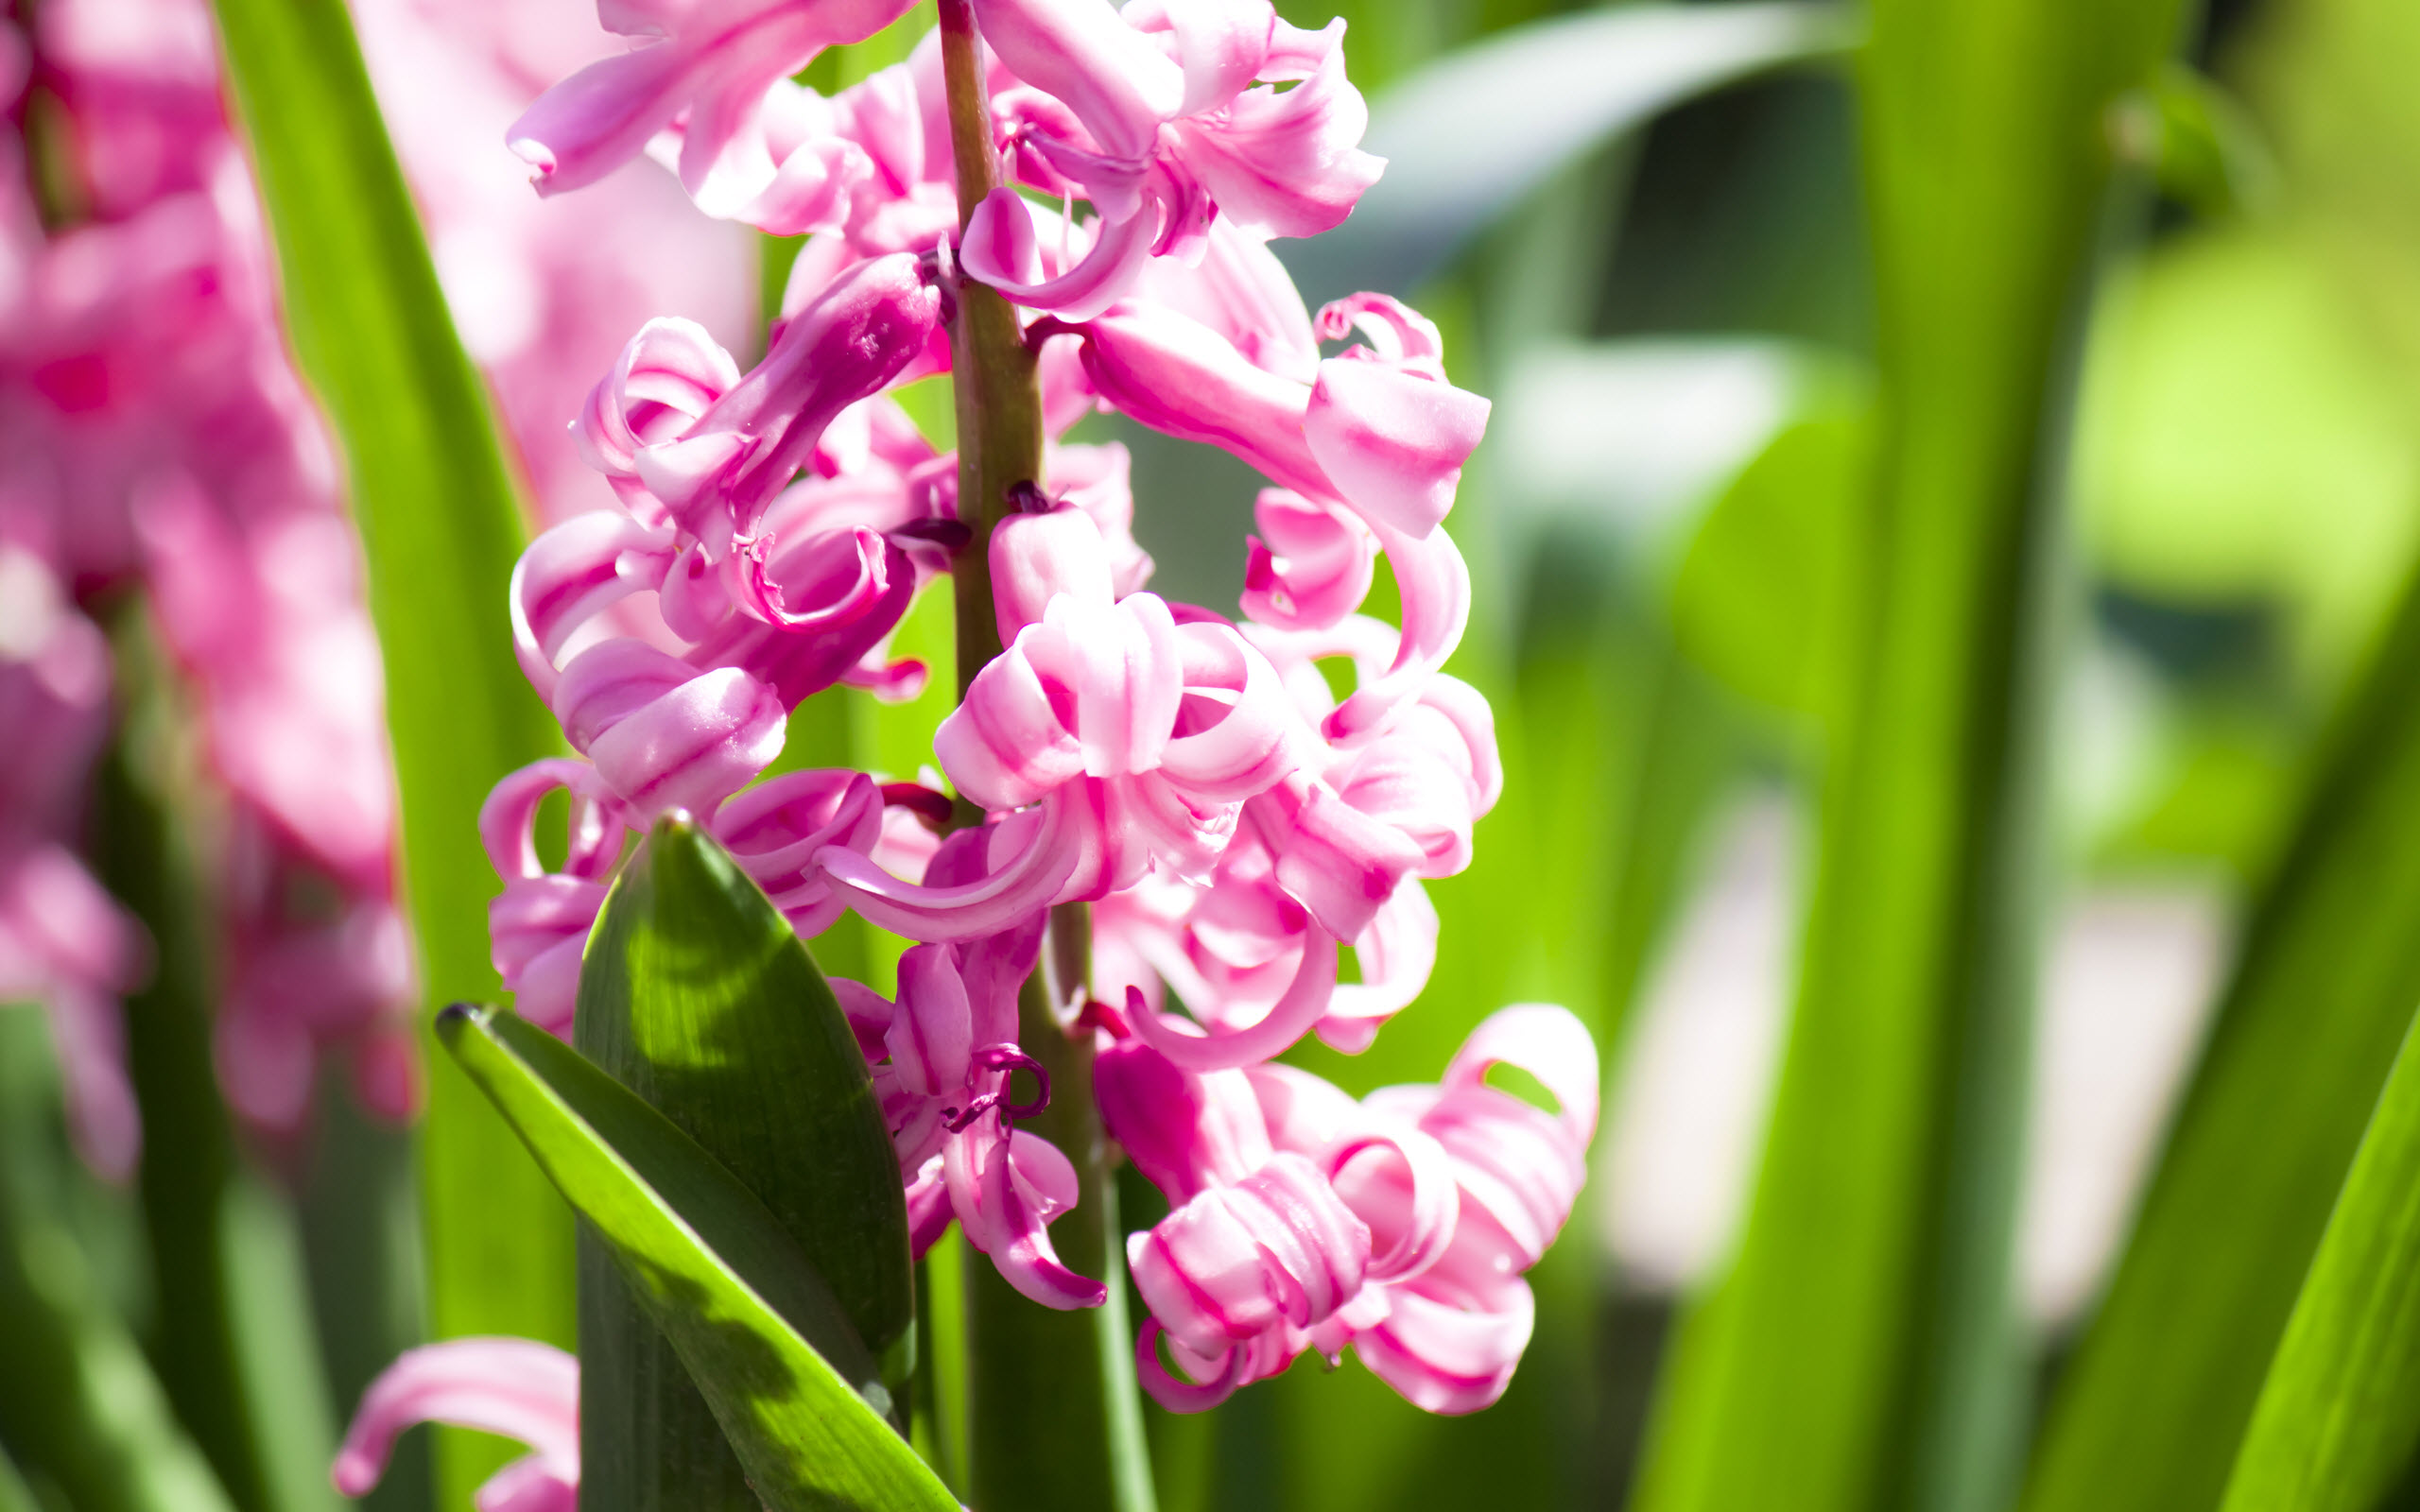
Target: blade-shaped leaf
(439,529)
(794,1389)
(233,1347)
(78,1400)
(2338,1418)
(2152,1406)
(696,993)
(1468,136)
(1863,1353)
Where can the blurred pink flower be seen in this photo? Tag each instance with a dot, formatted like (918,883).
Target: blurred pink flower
(515,1388)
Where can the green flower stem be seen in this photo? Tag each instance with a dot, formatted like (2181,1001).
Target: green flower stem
(1053,1420)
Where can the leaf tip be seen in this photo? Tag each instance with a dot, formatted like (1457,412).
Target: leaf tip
(453,1018)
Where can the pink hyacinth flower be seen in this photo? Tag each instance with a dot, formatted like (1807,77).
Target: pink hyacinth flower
(944,1056)
(1377,431)
(1110,735)
(517,1388)
(1174,121)
(538,926)
(711,69)
(1285,1189)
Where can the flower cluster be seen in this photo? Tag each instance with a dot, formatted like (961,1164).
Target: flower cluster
(155,445)
(1233,821)
(153,438)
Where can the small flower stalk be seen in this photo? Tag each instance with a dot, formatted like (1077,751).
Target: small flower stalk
(1233,824)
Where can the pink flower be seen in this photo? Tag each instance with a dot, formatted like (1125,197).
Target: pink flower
(711,69)
(65,942)
(1172,120)
(943,1055)
(154,436)
(516,1388)
(538,926)
(1378,431)
(1400,1225)
(1126,737)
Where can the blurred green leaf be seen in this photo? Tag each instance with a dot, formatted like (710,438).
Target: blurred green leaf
(78,1400)
(15,1495)
(1863,1353)
(796,1394)
(1759,599)
(1467,137)
(233,1337)
(2198,142)
(2149,1410)
(439,526)
(2340,1413)
(697,995)
(2244,437)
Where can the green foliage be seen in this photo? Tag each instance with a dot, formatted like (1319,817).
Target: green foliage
(79,1408)
(796,1394)
(436,507)
(1862,1353)
(1759,600)
(1470,136)
(2340,1413)
(2150,1408)
(233,1335)
(697,995)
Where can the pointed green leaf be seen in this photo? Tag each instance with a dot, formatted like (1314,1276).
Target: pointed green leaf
(696,993)
(794,1389)
(1864,1352)
(2340,1414)
(2151,1405)
(78,1400)
(439,529)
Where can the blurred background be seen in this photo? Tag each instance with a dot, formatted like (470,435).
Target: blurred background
(1672,309)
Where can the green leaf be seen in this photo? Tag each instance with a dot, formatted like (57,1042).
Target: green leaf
(2150,1408)
(1863,1353)
(234,1343)
(1758,600)
(796,1394)
(78,1400)
(697,995)
(2340,1413)
(15,1495)
(439,527)
(1467,137)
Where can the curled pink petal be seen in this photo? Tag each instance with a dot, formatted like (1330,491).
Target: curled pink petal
(693,747)
(1006,1190)
(515,1387)
(1278,1249)
(1310,566)
(1393,442)
(1286,1021)
(1184,1130)
(1445,1358)
(1178,1395)
(931,1037)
